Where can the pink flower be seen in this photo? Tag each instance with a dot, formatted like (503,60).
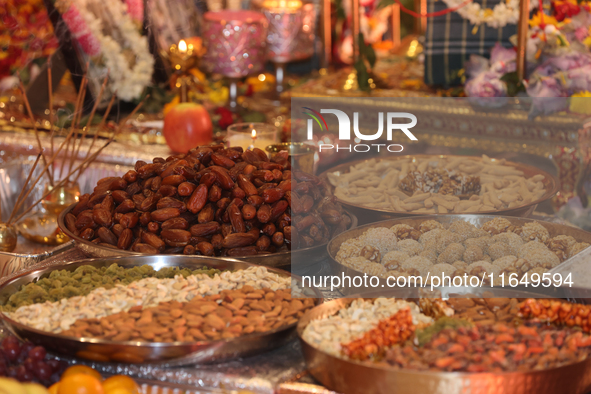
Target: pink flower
(80,31)
(581,33)
(135,8)
(486,84)
(503,59)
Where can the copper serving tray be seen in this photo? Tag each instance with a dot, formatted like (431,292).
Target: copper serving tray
(353,377)
(166,354)
(303,257)
(477,220)
(374,214)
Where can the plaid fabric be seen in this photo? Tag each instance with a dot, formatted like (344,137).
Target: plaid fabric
(449,42)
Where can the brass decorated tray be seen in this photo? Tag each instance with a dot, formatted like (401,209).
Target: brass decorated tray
(364,377)
(374,213)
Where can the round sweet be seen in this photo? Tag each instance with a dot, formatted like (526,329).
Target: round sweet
(543,258)
(410,246)
(419,263)
(429,239)
(453,252)
(529,247)
(460,265)
(496,226)
(429,254)
(380,237)
(472,254)
(481,242)
(514,241)
(395,256)
(445,240)
(498,250)
(350,248)
(534,232)
(429,225)
(465,230)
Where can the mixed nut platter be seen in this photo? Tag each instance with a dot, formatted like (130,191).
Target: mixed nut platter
(427,345)
(168,309)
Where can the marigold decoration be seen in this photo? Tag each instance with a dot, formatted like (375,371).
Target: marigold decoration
(541,20)
(218,94)
(25,34)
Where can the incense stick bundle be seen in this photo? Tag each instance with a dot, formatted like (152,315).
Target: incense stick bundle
(69,147)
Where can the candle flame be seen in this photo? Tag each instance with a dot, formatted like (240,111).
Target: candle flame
(254,134)
(182,46)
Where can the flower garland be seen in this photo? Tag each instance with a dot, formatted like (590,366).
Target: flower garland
(128,77)
(135,8)
(501,15)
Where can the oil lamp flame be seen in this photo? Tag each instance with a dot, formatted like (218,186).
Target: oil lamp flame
(182,46)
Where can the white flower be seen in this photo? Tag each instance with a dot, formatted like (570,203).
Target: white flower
(129,81)
(501,15)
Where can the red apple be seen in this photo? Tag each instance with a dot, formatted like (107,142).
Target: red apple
(186,126)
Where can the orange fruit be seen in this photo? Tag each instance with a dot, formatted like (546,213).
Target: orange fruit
(80,384)
(121,390)
(53,388)
(120,384)
(82,369)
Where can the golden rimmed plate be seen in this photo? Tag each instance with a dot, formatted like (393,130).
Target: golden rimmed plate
(166,354)
(369,215)
(354,377)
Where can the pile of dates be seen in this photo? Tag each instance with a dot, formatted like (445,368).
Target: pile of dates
(213,201)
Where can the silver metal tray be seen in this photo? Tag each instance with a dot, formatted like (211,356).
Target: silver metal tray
(303,257)
(12,178)
(352,377)
(477,220)
(370,215)
(169,354)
